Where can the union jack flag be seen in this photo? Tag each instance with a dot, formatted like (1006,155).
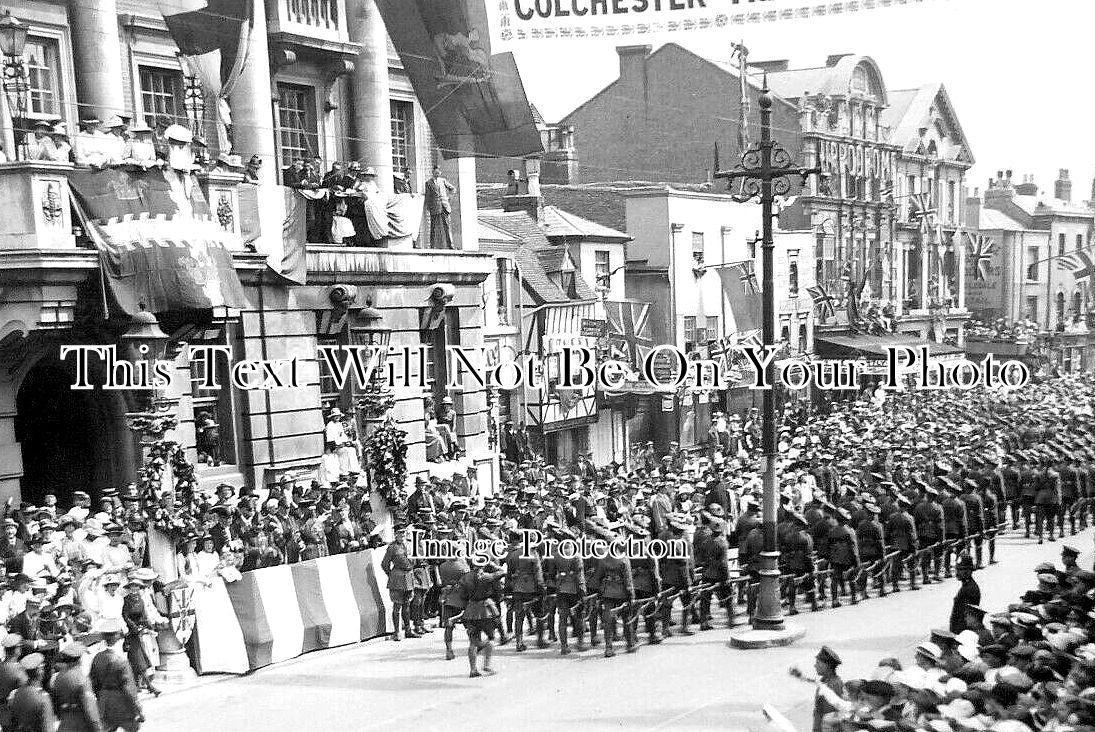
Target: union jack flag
(981,250)
(629,327)
(749,277)
(1085,269)
(823,301)
(922,211)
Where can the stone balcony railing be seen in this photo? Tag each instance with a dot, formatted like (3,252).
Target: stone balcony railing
(319,19)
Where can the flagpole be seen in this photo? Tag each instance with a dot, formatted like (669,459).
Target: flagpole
(766,170)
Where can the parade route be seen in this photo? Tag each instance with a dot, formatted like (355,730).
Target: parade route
(685,683)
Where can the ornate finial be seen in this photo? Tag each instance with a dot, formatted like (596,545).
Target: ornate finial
(765,100)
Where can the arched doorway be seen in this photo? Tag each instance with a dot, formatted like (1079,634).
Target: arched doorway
(70,439)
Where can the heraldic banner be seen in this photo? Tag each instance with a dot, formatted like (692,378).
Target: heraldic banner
(278,613)
(160,246)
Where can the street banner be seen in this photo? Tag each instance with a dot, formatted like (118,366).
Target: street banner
(214,41)
(278,613)
(160,248)
(474,101)
(516,23)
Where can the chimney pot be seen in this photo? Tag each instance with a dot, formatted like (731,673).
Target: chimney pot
(1062,187)
(1009,175)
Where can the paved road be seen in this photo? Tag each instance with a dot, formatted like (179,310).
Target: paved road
(685,683)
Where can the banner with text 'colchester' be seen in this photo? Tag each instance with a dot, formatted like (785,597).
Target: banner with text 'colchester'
(278,613)
(515,23)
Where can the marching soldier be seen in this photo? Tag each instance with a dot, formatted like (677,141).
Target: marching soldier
(400,570)
(901,532)
(71,693)
(716,566)
(955,524)
(991,512)
(1028,488)
(481,615)
(872,541)
(678,574)
(975,517)
(613,576)
(647,581)
(930,524)
(30,708)
(526,576)
(1008,478)
(570,591)
(796,558)
(1069,493)
(453,601)
(1047,500)
(843,553)
(113,684)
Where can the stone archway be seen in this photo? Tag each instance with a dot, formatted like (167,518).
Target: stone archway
(70,439)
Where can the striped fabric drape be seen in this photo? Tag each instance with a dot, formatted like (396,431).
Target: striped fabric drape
(278,613)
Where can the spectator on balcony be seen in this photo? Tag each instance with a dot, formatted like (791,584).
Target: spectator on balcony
(292,176)
(62,150)
(438,204)
(39,144)
(140,150)
(252,173)
(159,136)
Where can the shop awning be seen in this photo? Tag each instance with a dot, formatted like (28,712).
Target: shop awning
(856,345)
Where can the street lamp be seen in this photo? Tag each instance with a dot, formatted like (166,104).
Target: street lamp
(193,97)
(766,171)
(13,39)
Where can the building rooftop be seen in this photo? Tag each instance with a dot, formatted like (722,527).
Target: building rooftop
(991,219)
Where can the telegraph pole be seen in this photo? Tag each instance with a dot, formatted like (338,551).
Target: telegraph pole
(765,172)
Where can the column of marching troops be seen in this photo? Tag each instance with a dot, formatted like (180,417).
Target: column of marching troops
(873,496)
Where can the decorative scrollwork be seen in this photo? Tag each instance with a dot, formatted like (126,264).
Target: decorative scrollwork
(751,159)
(781,158)
(781,186)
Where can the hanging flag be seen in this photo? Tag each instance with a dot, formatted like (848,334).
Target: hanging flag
(629,327)
(1086,267)
(474,101)
(739,282)
(1068,262)
(981,250)
(214,41)
(823,301)
(923,212)
(160,249)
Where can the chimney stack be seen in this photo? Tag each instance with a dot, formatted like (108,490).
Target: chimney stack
(530,201)
(973,210)
(1062,187)
(633,68)
(1028,187)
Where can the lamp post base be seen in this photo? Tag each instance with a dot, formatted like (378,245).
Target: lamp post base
(747,637)
(174,668)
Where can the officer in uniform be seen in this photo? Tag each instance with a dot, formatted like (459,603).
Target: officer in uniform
(526,577)
(1008,478)
(400,570)
(647,581)
(1028,488)
(613,576)
(716,566)
(570,590)
(71,693)
(1069,493)
(112,681)
(929,520)
(1047,500)
(29,707)
(992,519)
(843,554)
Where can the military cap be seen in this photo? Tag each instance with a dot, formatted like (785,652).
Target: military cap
(73,651)
(1070,551)
(829,656)
(942,637)
(32,661)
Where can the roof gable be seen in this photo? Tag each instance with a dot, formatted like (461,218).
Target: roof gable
(927,108)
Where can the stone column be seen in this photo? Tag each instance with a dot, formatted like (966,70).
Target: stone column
(97,54)
(251,103)
(960,269)
(925,271)
(372,131)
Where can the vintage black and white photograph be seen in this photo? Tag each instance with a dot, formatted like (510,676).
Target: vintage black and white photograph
(548,365)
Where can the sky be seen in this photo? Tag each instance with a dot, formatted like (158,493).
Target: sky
(1020,73)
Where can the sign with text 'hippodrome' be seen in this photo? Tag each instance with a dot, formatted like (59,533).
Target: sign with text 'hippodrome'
(514,23)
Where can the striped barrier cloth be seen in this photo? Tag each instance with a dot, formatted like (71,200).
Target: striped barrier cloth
(279,613)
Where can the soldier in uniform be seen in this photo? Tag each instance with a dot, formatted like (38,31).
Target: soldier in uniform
(422,575)
(29,707)
(526,577)
(113,684)
(613,576)
(826,664)
(955,524)
(929,521)
(975,517)
(1028,488)
(481,615)
(70,690)
(992,518)
(453,601)
(400,570)
(647,581)
(796,557)
(1069,493)
(678,574)
(570,590)
(843,553)
(872,542)
(1047,500)
(1008,478)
